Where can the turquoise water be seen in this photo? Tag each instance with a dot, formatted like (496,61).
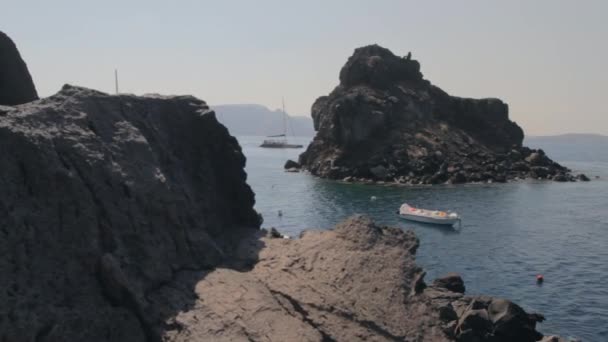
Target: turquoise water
(510,232)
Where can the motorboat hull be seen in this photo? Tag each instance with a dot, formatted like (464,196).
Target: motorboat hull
(432,220)
(428,216)
(273,145)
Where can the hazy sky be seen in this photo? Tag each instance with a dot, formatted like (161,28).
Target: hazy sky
(546,59)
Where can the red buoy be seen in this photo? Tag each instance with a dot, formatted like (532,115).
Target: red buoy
(540,278)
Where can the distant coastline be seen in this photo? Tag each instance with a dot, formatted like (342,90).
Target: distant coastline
(258,120)
(572,146)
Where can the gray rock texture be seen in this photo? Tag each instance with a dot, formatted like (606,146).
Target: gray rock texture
(385,122)
(357,282)
(16,85)
(105,200)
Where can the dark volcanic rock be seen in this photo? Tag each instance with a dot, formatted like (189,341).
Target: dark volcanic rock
(378,67)
(290,164)
(385,122)
(105,201)
(16,85)
(273,233)
(451,281)
(560,177)
(512,323)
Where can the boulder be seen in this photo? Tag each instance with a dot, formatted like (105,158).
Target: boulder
(290,164)
(16,85)
(536,159)
(377,66)
(474,325)
(515,155)
(512,323)
(458,178)
(539,172)
(451,281)
(273,233)
(520,166)
(379,172)
(582,177)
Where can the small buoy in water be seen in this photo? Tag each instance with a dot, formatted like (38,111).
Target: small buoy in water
(540,278)
(280,213)
(373,198)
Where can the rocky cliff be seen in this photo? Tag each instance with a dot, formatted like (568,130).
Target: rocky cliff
(105,200)
(16,85)
(385,122)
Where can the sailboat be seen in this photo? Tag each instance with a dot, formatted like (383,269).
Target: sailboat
(280,140)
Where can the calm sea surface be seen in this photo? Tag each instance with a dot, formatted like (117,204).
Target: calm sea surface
(510,232)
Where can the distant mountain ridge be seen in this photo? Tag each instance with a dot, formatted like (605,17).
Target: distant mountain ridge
(255,119)
(572,146)
(571,138)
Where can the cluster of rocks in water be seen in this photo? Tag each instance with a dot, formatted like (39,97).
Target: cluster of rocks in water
(384,122)
(127,218)
(481,167)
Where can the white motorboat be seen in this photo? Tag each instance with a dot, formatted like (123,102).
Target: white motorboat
(428,216)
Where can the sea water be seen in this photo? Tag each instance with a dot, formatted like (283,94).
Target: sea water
(510,232)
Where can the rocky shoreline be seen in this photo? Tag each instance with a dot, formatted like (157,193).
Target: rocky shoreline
(529,169)
(356,282)
(385,122)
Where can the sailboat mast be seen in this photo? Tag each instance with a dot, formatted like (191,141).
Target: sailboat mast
(284,119)
(116,80)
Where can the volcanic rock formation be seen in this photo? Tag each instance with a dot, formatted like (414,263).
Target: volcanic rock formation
(385,122)
(105,200)
(16,85)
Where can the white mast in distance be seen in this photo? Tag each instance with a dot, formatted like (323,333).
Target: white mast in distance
(116,80)
(284,119)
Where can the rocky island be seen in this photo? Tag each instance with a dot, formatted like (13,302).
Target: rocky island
(385,122)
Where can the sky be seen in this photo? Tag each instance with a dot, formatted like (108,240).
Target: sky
(546,59)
